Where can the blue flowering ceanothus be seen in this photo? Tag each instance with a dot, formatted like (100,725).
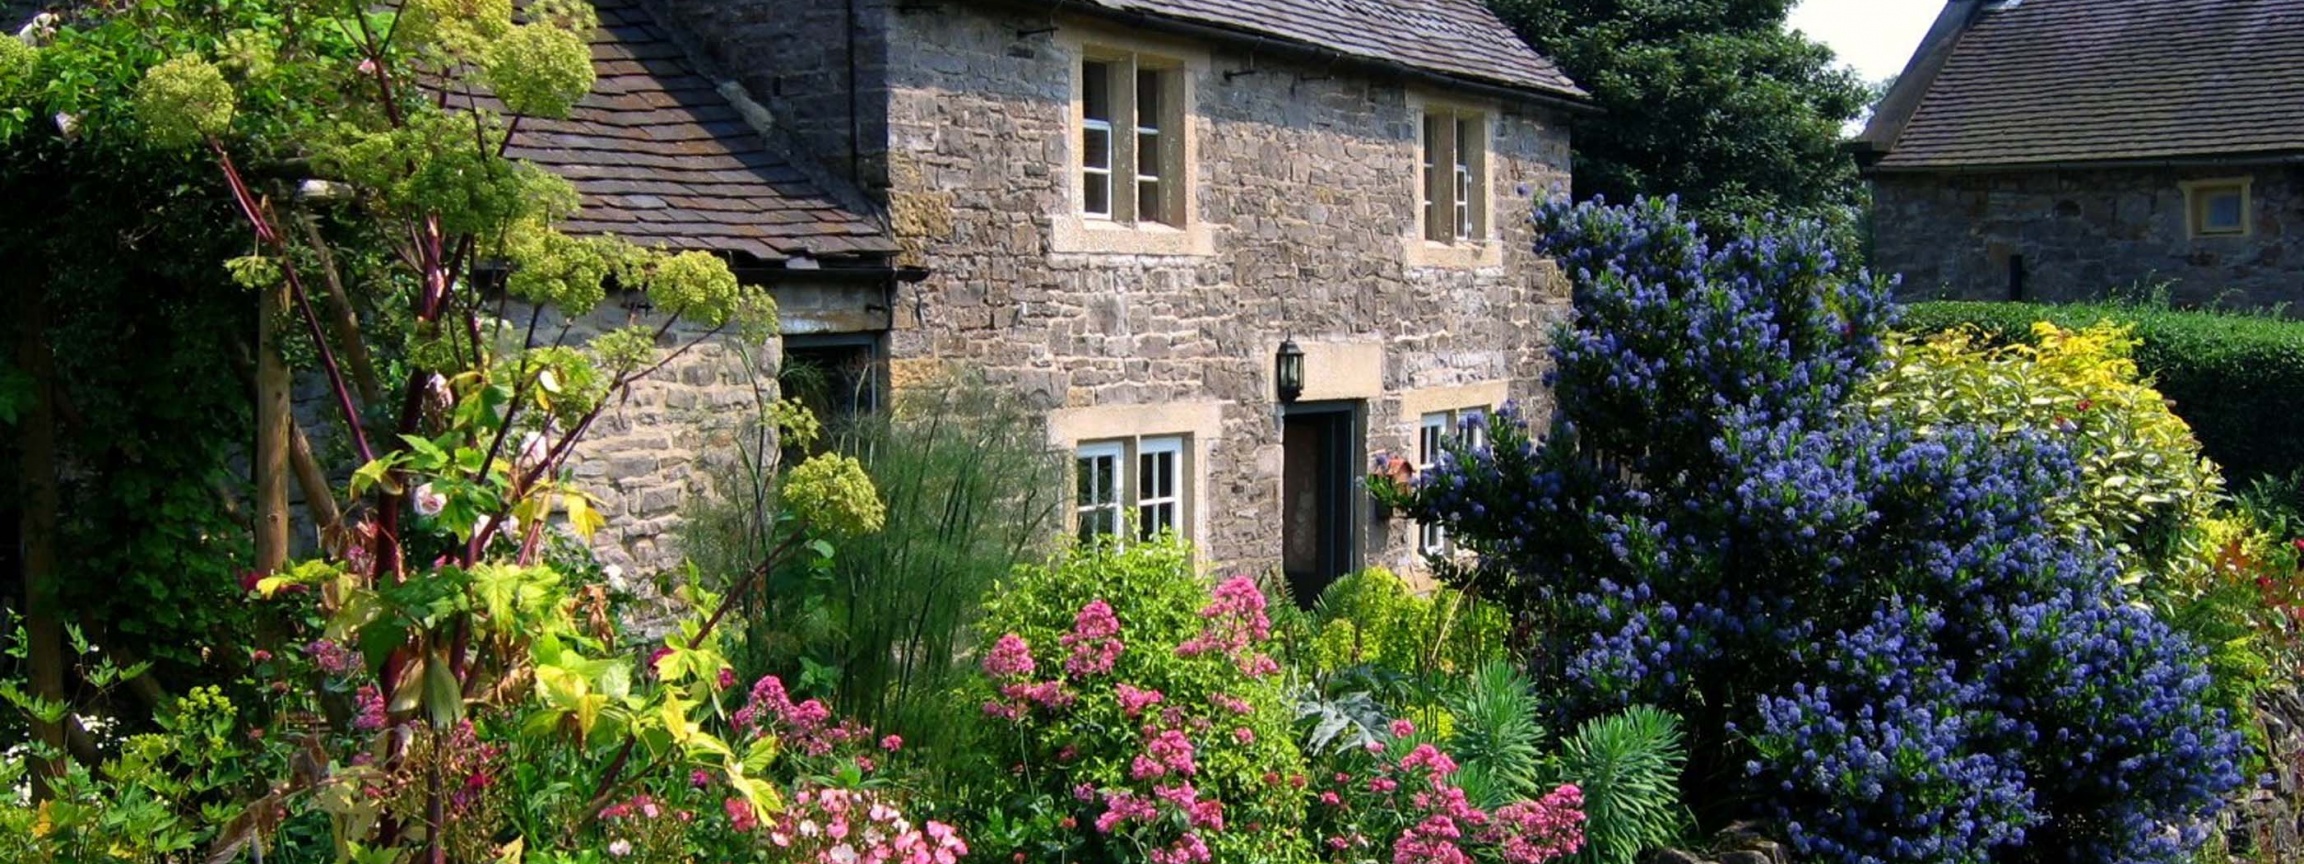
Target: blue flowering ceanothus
(1879,638)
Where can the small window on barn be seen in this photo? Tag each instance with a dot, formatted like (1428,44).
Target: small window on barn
(2217,208)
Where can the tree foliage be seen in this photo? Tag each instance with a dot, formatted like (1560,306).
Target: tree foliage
(1710,100)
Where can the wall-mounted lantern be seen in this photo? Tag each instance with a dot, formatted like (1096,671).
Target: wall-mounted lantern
(1288,371)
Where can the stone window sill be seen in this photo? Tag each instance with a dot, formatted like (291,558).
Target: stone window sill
(1462,255)
(1074,234)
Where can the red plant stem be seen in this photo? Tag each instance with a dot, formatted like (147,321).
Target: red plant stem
(261,223)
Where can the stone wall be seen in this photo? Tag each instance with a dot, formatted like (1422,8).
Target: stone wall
(2086,234)
(646,455)
(1305,180)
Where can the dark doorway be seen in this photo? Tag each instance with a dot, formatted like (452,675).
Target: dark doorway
(836,377)
(1319,507)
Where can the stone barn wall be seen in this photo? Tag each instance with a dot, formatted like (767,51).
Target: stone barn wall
(2086,235)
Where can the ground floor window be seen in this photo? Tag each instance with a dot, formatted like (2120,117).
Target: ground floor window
(1463,427)
(1129,488)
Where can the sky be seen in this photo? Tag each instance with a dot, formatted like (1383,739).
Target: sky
(1875,36)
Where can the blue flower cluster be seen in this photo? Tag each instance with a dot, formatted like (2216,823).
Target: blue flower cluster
(1881,633)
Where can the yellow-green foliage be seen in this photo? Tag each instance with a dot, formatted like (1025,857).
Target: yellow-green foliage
(833,493)
(2142,468)
(17,62)
(1372,618)
(184,100)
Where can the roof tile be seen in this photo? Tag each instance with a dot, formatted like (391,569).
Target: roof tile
(2066,81)
(1458,38)
(660,158)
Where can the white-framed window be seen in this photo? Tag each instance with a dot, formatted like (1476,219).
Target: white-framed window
(1453,153)
(2217,208)
(1096,490)
(1131,166)
(1463,427)
(1133,488)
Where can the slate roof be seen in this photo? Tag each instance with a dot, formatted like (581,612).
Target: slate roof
(1458,38)
(2077,81)
(663,159)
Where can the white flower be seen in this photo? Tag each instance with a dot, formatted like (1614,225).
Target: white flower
(69,125)
(620,848)
(429,502)
(533,448)
(808,828)
(843,854)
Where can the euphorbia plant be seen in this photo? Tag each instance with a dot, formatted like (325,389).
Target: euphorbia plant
(364,148)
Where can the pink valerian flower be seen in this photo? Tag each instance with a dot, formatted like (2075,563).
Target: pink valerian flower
(892,743)
(804,726)
(1167,752)
(1244,735)
(1010,657)
(333,658)
(1432,841)
(741,815)
(1231,703)
(1435,764)
(1402,728)
(1188,849)
(370,703)
(1122,807)
(1094,641)
(1133,701)
(1046,694)
(727,677)
(1236,624)
(1534,832)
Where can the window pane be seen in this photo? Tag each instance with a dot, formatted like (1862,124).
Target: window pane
(1096,90)
(1097,194)
(1148,154)
(1434,173)
(2223,211)
(1096,147)
(1148,99)
(1148,201)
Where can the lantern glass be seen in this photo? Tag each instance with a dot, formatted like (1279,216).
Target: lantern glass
(1288,371)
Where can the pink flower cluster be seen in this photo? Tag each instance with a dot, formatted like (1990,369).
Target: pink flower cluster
(1009,658)
(1235,626)
(842,826)
(806,727)
(1533,832)
(333,658)
(1165,752)
(1094,641)
(1437,821)
(1134,701)
(370,703)
(1122,808)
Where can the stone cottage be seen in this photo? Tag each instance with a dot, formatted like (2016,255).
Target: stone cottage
(2070,149)
(1129,210)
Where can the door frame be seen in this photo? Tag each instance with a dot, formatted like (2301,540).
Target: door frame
(1345,541)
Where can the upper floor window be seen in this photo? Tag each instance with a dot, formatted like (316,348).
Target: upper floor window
(1131,163)
(1134,486)
(1454,148)
(2217,208)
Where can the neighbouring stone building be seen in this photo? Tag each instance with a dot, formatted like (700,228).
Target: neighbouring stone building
(2072,149)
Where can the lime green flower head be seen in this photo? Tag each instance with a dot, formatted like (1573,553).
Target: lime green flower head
(834,494)
(183,101)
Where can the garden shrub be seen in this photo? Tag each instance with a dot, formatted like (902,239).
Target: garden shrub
(1127,713)
(1882,632)
(1372,618)
(878,628)
(1400,797)
(2237,378)
(1628,766)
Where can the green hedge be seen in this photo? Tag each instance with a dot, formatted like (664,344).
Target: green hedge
(2237,378)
